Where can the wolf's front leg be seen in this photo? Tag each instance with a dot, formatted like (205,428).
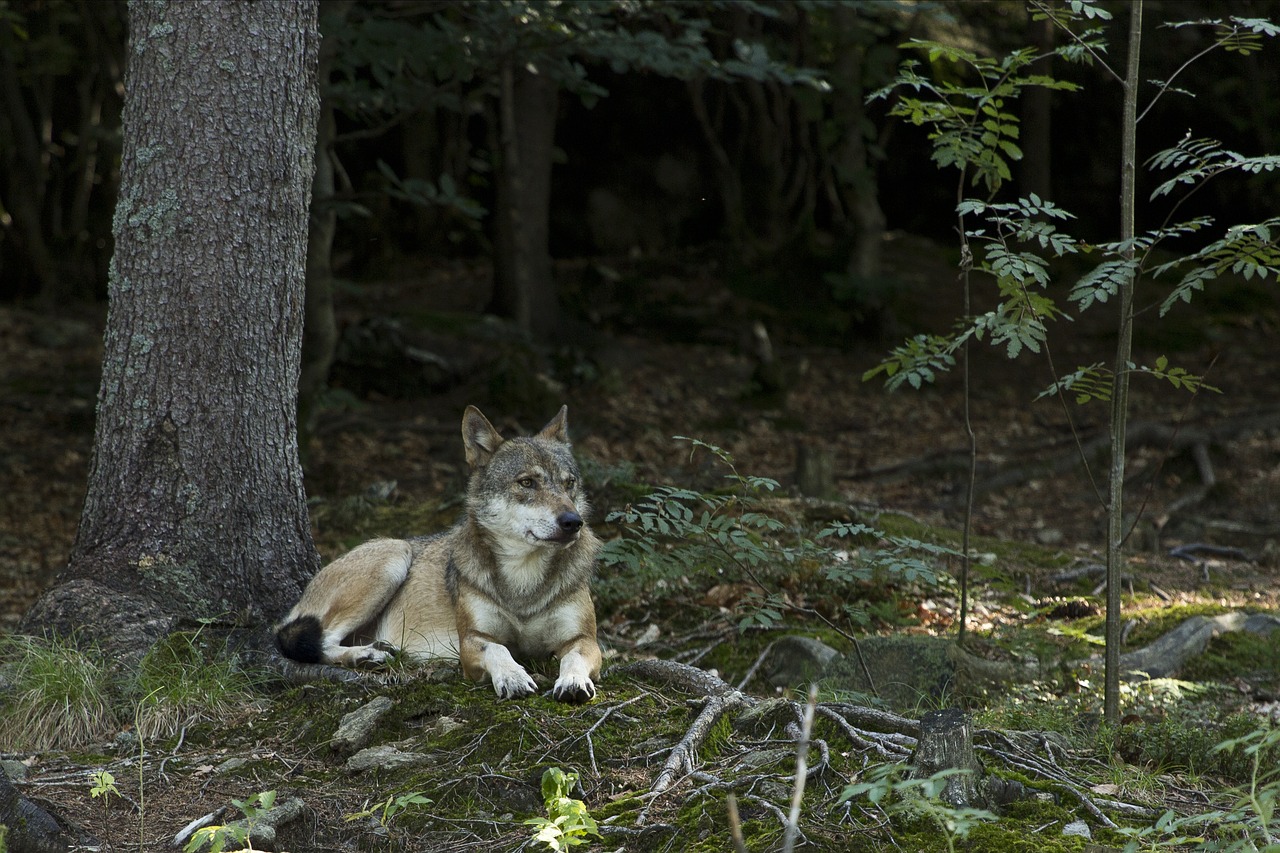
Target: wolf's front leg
(481,657)
(579,668)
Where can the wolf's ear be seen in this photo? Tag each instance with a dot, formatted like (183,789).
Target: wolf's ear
(558,428)
(479,438)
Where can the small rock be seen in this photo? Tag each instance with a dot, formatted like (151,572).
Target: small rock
(798,660)
(356,729)
(231,764)
(649,635)
(761,758)
(384,758)
(126,742)
(444,726)
(15,770)
(1078,827)
(1049,536)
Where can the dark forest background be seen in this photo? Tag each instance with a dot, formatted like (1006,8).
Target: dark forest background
(730,134)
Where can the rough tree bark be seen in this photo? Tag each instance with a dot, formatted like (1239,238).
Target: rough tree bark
(195,504)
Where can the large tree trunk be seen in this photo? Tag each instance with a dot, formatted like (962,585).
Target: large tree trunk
(523,286)
(195,504)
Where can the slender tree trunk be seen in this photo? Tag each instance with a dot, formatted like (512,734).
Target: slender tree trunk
(523,286)
(728,182)
(320,326)
(1120,389)
(27,175)
(195,505)
(853,163)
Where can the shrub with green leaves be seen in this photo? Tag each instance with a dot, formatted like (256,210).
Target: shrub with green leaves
(387,810)
(963,100)
(710,537)
(215,839)
(1251,822)
(891,789)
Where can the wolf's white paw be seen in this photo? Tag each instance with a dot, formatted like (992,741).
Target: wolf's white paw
(574,688)
(513,684)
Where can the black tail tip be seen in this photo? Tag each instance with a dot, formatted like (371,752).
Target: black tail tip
(301,640)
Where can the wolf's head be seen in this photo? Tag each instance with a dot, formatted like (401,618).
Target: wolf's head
(525,491)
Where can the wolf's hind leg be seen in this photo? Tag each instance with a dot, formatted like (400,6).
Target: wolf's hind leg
(343,597)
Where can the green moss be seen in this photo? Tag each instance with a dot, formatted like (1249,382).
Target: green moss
(1000,554)
(1238,654)
(1001,837)
(1156,621)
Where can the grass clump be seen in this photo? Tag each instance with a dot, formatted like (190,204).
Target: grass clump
(184,680)
(58,696)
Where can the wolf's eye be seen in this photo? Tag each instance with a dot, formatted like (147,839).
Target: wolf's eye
(569,483)
(527,482)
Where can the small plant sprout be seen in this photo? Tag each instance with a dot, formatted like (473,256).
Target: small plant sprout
(387,810)
(214,839)
(567,823)
(103,784)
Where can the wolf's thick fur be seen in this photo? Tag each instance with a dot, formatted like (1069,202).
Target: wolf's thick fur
(510,578)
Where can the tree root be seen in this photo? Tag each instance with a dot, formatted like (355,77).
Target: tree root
(873,732)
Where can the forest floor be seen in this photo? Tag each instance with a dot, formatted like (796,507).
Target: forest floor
(665,351)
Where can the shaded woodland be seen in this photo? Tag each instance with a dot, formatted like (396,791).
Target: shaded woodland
(714,230)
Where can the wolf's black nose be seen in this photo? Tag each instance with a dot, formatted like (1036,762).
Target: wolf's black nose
(570,522)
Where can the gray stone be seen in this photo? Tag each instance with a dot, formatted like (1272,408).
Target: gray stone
(794,661)
(904,670)
(762,758)
(231,764)
(384,758)
(444,726)
(356,729)
(15,770)
(1078,827)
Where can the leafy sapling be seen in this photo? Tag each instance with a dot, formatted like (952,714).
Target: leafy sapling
(567,823)
(387,810)
(103,784)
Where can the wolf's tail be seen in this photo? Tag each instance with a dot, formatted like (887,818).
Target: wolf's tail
(301,639)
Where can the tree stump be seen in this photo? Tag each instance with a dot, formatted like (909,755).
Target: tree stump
(815,471)
(946,742)
(31,828)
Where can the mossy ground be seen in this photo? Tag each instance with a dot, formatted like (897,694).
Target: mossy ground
(482,769)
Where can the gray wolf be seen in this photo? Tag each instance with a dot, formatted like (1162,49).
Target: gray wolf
(509,579)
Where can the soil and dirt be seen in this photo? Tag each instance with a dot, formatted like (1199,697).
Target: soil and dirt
(664,350)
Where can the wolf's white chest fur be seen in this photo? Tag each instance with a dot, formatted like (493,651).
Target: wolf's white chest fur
(517,537)
(522,567)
